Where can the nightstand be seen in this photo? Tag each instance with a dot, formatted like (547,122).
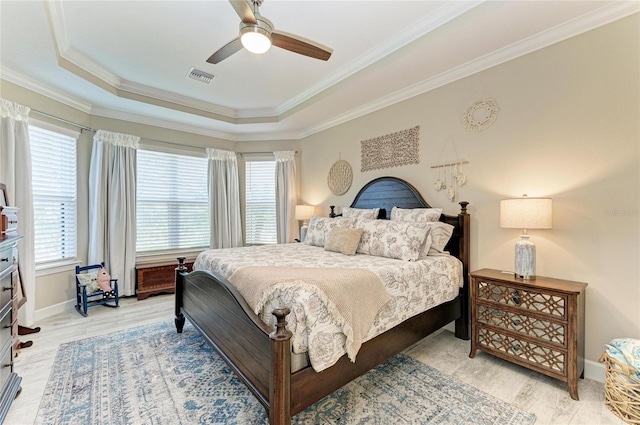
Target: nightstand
(537,324)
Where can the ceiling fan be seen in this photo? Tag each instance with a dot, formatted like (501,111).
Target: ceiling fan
(257,34)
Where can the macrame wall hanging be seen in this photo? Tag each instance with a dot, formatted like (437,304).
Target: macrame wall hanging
(391,150)
(340,177)
(450,172)
(480,115)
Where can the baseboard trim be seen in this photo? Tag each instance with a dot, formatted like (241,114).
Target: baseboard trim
(52,310)
(594,370)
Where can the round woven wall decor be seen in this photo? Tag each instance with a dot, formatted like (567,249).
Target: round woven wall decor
(340,177)
(480,115)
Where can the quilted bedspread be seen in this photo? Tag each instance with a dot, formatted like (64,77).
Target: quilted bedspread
(414,286)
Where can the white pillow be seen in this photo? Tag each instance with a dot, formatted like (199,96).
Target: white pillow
(416,215)
(371,213)
(392,239)
(319,228)
(439,235)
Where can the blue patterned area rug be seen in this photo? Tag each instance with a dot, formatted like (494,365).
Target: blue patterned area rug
(153,375)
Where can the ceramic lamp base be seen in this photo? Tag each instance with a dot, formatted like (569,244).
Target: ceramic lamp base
(303,233)
(525,266)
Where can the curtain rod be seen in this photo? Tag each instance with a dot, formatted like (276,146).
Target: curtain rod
(81,127)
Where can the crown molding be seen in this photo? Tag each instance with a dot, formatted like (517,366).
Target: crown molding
(64,52)
(165,96)
(57,24)
(441,16)
(37,87)
(190,128)
(156,122)
(602,16)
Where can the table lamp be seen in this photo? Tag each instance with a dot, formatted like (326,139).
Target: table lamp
(525,213)
(304,213)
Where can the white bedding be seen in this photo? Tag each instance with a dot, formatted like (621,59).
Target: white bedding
(415,286)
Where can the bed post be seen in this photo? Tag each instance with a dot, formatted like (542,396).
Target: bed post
(280,379)
(179,320)
(462,326)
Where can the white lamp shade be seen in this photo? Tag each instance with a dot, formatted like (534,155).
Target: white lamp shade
(526,213)
(304,212)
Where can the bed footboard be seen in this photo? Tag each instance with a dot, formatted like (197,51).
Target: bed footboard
(259,356)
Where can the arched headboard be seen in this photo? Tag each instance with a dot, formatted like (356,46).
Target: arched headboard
(388,192)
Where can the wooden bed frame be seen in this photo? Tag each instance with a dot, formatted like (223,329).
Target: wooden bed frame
(261,356)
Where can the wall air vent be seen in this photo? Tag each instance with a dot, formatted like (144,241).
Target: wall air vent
(196,74)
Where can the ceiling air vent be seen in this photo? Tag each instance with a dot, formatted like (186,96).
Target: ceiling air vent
(196,74)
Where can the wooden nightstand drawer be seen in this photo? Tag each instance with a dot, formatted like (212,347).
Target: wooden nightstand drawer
(548,303)
(524,324)
(552,360)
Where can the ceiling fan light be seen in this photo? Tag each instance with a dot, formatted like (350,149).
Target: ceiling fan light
(255,39)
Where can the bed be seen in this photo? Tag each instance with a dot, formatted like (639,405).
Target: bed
(261,355)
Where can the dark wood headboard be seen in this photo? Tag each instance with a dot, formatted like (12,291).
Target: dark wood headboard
(388,192)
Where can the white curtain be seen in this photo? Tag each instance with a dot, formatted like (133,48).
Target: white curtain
(224,199)
(15,173)
(286,196)
(112,206)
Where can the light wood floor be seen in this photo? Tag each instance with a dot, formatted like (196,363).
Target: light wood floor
(547,398)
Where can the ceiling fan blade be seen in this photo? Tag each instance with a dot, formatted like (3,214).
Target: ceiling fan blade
(244,11)
(225,51)
(300,45)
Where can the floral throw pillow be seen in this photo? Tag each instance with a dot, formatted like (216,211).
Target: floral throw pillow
(392,239)
(371,213)
(319,228)
(90,280)
(416,215)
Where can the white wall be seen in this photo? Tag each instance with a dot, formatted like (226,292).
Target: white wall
(568,128)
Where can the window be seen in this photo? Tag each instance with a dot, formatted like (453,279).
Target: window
(172,210)
(53,175)
(261,201)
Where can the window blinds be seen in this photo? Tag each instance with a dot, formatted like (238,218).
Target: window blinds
(261,202)
(53,174)
(172,202)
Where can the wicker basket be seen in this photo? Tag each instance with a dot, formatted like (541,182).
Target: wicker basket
(622,389)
